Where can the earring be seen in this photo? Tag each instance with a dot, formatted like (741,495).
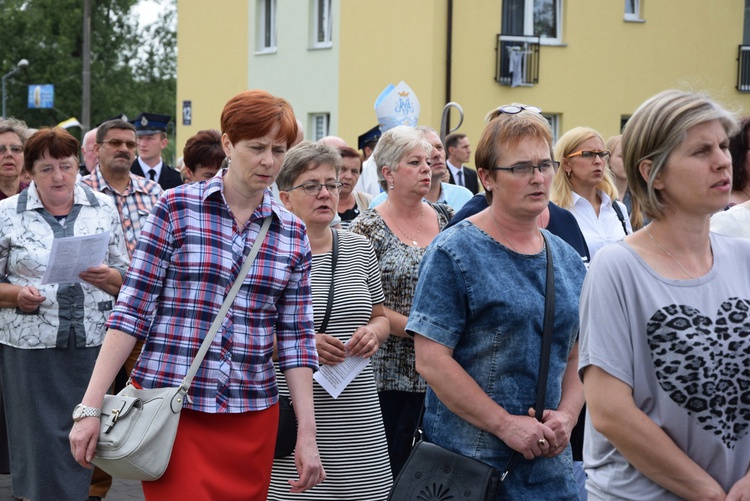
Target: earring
(567,173)
(391,185)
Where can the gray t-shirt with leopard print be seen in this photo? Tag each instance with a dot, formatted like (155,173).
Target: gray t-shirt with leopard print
(684,348)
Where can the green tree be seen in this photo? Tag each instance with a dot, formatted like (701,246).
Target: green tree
(132,69)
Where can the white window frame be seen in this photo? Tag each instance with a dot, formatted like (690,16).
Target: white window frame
(528,20)
(319,125)
(528,23)
(554,123)
(266,26)
(322,23)
(635,15)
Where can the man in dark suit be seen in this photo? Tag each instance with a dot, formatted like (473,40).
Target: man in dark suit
(459,152)
(152,139)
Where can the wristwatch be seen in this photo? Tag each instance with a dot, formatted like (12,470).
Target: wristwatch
(82,411)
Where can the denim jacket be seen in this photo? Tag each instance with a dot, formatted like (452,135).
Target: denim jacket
(492,317)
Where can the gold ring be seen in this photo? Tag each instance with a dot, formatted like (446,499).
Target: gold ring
(542,442)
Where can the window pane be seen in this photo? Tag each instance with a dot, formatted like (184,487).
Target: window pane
(545,18)
(513,12)
(631,7)
(267,24)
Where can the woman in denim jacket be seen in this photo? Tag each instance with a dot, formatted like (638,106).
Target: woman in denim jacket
(478,313)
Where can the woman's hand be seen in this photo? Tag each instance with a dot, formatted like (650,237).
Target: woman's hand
(561,425)
(331,351)
(309,467)
(105,278)
(29,299)
(523,434)
(83,438)
(364,342)
(740,491)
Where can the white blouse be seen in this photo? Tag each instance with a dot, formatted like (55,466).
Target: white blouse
(26,234)
(601,230)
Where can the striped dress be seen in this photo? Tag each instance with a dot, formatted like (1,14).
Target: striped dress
(351,439)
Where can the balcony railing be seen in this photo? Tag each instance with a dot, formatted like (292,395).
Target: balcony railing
(743,69)
(517,60)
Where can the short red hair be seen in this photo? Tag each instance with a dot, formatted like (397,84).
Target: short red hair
(253,113)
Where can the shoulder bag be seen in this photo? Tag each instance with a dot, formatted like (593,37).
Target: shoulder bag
(286,436)
(138,426)
(433,472)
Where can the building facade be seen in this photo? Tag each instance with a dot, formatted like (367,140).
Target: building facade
(584,62)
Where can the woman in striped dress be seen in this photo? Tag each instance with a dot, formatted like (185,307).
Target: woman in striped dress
(350,433)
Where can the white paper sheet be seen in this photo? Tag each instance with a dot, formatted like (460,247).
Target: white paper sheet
(334,378)
(72,255)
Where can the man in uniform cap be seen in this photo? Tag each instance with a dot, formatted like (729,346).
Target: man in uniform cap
(367,141)
(151,131)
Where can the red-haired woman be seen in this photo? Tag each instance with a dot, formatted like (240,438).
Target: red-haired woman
(188,256)
(203,155)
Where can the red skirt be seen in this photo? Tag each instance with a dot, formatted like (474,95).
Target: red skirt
(219,456)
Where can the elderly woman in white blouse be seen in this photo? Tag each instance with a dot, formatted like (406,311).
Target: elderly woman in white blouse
(50,333)
(584,186)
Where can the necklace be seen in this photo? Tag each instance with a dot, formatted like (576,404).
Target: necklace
(419,228)
(500,229)
(665,251)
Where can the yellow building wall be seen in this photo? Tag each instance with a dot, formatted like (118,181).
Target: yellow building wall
(383,43)
(606,67)
(212,60)
(603,70)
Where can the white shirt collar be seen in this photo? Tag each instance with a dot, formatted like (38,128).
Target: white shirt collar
(145,168)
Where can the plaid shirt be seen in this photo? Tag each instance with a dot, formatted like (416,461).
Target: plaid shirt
(134,204)
(187,259)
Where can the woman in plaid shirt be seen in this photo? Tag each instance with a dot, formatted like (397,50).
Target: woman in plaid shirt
(187,258)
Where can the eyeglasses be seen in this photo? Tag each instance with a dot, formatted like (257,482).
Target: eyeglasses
(513,109)
(589,155)
(16,149)
(516,109)
(527,170)
(312,189)
(116,143)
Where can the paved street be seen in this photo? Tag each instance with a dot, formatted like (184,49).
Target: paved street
(122,490)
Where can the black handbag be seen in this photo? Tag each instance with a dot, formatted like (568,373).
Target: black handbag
(286,436)
(432,472)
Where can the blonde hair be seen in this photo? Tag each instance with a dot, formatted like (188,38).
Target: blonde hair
(562,189)
(656,128)
(394,145)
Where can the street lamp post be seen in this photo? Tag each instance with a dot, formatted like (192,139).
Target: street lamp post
(23,63)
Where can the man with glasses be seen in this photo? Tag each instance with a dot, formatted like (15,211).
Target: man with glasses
(151,130)
(134,198)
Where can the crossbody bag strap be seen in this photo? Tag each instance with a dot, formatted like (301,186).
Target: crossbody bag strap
(620,215)
(334,259)
(547,330)
(549,320)
(225,306)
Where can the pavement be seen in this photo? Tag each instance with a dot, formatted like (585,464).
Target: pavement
(122,490)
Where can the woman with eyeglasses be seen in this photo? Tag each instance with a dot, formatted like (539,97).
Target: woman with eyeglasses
(400,229)
(478,317)
(12,139)
(51,333)
(584,186)
(189,255)
(350,434)
(665,329)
